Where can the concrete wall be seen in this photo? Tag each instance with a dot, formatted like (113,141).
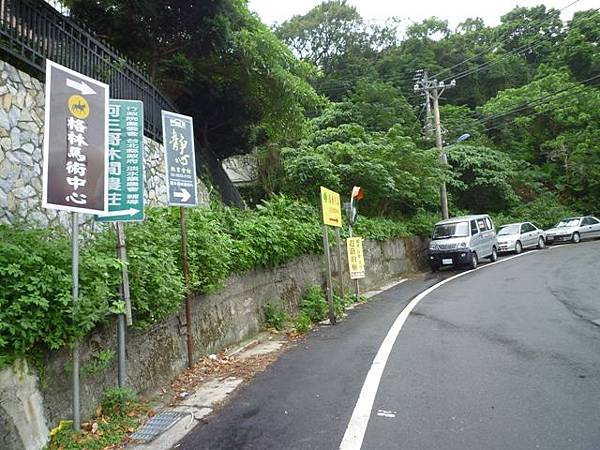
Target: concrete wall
(156,355)
(21,141)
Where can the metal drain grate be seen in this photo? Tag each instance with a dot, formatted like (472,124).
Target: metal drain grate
(157,425)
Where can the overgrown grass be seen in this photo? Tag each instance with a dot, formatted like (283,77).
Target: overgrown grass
(121,414)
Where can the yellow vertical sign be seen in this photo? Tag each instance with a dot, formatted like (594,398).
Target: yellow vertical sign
(356,259)
(331,207)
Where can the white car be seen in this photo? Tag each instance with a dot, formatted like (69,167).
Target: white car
(574,229)
(514,237)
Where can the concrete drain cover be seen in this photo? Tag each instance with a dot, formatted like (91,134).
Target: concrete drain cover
(157,425)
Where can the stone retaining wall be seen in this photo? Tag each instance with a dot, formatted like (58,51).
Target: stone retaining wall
(21,140)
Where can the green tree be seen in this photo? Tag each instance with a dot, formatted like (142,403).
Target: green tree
(217,61)
(334,37)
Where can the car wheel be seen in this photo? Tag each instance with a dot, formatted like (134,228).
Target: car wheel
(576,238)
(518,247)
(434,269)
(541,243)
(474,261)
(494,255)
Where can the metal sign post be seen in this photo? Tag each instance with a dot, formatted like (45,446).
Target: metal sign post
(358,194)
(75,274)
(338,241)
(178,142)
(125,196)
(331,210)
(75,156)
(329,293)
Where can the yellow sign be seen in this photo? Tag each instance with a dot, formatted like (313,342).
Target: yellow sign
(79,106)
(332,207)
(356,259)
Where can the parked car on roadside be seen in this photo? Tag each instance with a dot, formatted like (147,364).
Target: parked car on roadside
(574,229)
(462,241)
(514,237)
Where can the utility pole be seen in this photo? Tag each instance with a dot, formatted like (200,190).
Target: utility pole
(433,90)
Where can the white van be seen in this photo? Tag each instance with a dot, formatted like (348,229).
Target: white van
(462,241)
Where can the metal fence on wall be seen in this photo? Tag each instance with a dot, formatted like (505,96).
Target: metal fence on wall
(33,31)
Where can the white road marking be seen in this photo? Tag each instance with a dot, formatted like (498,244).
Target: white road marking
(355,432)
(384,413)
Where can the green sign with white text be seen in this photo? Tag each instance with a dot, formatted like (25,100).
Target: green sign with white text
(125,162)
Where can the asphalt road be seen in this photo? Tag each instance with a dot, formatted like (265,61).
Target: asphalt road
(506,357)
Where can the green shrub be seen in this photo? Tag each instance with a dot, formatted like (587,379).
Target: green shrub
(115,401)
(314,305)
(36,309)
(155,276)
(341,303)
(275,315)
(99,362)
(379,229)
(35,300)
(302,323)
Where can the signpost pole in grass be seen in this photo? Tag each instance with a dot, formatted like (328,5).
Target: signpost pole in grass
(75,273)
(188,296)
(123,319)
(332,318)
(178,143)
(338,240)
(357,194)
(75,158)
(125,198)
(331,212)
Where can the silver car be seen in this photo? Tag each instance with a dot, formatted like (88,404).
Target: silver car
(515,237)
(574,229)
(462,241)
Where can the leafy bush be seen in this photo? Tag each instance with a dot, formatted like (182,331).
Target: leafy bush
(155,276)
(116,400)
(35,300)
(379,229)
(314,305)
(341,303)
(35,266)
(302,323)
(544,212)
(275,315)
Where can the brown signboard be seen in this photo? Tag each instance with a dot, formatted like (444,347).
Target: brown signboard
(75,142)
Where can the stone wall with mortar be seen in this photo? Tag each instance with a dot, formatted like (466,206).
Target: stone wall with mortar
(156,355)
(21,139)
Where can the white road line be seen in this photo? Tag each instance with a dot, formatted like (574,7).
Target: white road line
(355,432)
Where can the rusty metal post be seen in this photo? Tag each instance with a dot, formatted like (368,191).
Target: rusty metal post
(188,295)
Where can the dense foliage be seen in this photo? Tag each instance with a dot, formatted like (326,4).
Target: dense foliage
(335,108)
(216,60)
(527,94)
(35,268)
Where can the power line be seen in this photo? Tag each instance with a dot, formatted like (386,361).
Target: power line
(538,100)
(492,47)
(529,46)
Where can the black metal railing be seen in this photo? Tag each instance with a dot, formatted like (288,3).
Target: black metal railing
(32,31)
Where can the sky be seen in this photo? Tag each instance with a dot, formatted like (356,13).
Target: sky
(271,11)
